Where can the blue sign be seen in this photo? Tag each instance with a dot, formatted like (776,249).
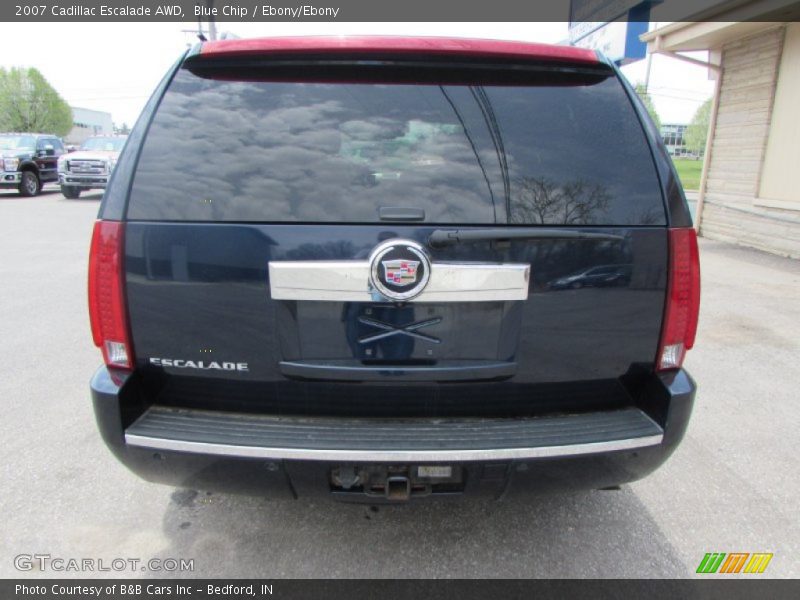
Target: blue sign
(611,26)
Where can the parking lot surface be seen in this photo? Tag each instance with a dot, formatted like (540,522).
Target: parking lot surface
(732,485)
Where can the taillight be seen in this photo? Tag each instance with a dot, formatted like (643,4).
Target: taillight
(683,299)
(107,310)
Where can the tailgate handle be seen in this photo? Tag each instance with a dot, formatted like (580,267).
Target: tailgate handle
(450,237)
(354,370)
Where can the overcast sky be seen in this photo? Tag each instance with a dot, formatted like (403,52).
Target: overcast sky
(114,67)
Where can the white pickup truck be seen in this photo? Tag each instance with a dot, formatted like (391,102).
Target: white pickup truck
(89,167)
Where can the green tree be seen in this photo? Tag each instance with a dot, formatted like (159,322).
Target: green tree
(696,132)
(648,103)
(28,103)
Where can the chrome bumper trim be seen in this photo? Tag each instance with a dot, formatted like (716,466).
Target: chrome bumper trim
(464,455)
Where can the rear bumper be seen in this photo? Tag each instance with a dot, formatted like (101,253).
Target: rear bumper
(295,456)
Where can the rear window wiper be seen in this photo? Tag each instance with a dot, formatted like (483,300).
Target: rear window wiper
(450,237)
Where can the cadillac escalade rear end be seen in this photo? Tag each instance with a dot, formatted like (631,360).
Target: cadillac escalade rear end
(388,268)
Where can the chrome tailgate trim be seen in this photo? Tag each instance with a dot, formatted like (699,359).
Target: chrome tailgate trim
(348,281)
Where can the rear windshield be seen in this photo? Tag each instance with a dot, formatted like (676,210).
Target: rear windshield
(222,149)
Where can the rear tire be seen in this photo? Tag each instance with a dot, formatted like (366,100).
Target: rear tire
(30,184)
(71,192)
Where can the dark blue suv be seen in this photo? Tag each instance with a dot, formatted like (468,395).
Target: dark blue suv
(332,265)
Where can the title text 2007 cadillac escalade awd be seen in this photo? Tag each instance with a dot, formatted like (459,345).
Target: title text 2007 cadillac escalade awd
(343,266)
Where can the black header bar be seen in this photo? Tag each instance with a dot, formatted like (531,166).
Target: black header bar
(411,589)
(369,10)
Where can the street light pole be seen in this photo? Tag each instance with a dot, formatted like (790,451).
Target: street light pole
(212,25)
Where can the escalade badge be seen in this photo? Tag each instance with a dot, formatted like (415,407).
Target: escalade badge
(399,269)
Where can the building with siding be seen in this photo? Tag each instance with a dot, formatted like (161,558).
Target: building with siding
(748,193)
(86,123)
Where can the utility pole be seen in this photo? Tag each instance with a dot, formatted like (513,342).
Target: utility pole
(212,25)
(649,62)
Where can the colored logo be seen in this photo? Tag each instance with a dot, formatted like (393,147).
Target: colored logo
(400,272)
(734,562)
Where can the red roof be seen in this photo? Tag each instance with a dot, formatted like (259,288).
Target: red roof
(440,46)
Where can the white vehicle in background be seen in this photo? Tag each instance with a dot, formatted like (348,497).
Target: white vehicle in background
(90,166)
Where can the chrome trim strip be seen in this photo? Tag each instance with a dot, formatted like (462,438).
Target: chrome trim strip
(389,455)
(348,281)
(342,281)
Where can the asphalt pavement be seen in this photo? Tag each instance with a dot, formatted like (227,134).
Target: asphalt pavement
(732,486)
